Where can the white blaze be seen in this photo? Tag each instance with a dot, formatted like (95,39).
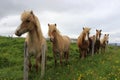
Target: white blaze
(86,37)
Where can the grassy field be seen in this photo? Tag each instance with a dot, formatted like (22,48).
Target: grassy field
(104,66)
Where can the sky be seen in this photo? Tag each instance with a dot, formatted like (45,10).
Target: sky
(69,15)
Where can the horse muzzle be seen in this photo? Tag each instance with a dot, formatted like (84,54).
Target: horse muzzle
(17,33)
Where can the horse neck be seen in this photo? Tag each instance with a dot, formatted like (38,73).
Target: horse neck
(36,33)
(103,41)
(97,35)
(57,38)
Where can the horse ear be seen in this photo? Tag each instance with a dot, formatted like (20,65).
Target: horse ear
(55,24)
(31,12)
(100,30)
(96,30)
(48,24)
(83,28)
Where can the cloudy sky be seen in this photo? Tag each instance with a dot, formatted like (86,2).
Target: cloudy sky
(69,15)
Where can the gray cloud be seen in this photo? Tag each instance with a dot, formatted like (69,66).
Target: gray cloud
(69,15)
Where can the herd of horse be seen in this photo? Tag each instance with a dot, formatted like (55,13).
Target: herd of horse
(60,44)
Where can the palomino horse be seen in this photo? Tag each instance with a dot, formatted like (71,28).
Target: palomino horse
(104,43)
(60,44)
(97,41)
(83,42)
(35,42)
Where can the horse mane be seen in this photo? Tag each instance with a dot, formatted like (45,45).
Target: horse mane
(59,36)
(80,39)
(27,15)
(39,31)
(58,32)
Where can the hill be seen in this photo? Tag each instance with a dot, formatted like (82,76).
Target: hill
(104,66)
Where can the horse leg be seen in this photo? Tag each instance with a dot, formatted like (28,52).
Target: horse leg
(54,54)
(37,61)
(29,63)
(104,49)
(66,56)
(82,54)
(61,58)
(85,52)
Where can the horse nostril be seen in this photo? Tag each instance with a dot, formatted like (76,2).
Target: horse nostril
(17,33)
(51,39)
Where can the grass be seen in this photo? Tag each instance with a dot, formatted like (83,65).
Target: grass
(104,66)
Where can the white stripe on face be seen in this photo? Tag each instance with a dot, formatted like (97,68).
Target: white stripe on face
(86,37)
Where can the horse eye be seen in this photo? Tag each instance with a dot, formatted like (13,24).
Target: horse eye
(27,21)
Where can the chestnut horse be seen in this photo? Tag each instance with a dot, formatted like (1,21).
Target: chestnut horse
(83,42)
(35,42)
(60,44)
(104,43)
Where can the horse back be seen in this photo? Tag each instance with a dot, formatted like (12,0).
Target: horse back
(66,41)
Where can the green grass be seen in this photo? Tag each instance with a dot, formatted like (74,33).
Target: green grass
(105,66)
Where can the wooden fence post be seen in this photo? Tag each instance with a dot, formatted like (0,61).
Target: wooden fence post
(25,74)
(43,61)
(93,44)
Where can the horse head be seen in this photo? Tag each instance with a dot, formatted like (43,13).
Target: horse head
(106,37)
(98,34)
(51,32)
(86,32)
(28,23)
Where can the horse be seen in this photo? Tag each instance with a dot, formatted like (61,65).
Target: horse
(104,42)
(60,44)
(83,42)
(35,41)
(97,41)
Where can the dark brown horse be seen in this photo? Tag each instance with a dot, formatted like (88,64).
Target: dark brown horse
(94,43)
(97,41)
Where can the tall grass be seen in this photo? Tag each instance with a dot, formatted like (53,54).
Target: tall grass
(104,66)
